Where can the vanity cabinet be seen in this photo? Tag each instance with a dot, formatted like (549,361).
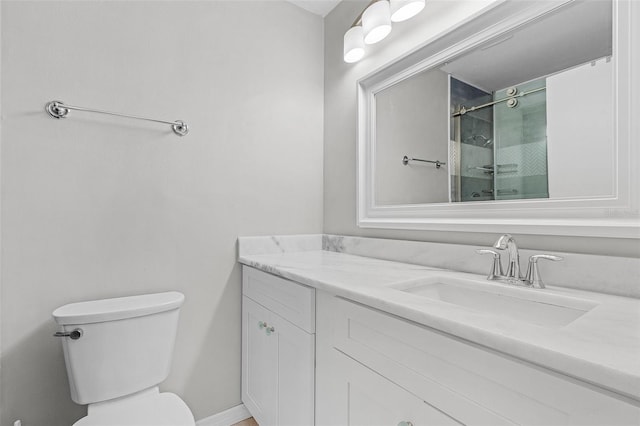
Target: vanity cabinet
(313,358)
(377,369)
(278,349)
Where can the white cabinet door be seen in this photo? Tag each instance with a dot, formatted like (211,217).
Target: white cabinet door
(372,400)
(277,368)
(296,372)
(259,363)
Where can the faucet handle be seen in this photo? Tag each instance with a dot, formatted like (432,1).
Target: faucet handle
(496,268)
(533,274)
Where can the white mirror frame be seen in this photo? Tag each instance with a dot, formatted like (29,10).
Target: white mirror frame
(616,216)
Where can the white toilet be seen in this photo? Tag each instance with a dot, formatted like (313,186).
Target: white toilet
(117,352)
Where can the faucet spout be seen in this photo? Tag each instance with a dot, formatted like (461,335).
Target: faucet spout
(507,242)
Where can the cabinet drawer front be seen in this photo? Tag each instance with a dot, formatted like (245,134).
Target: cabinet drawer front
(292,301)
(478,385)
(371,400)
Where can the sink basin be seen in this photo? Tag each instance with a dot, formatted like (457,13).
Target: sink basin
(514,303)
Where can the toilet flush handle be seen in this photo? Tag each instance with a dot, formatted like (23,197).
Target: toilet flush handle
(74,334)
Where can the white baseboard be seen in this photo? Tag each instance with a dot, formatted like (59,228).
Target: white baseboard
(226,418)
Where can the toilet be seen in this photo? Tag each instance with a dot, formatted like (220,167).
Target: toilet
(117,351)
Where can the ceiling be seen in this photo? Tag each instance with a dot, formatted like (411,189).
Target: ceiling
(575,34)
(319,7)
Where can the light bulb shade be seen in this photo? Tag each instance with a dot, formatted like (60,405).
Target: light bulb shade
(401,10)
(353,44)
(376,22)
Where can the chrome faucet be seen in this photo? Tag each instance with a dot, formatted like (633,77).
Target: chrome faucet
(507,242)
(533,274)
(513,276)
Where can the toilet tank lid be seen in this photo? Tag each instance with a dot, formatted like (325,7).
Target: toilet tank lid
(117,308)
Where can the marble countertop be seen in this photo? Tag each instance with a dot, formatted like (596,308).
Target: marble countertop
(601,347)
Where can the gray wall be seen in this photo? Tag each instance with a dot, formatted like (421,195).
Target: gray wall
(594,174)
(340,144)
(411,120)
(95,206)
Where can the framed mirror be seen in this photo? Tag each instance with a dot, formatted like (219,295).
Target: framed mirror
(516,121)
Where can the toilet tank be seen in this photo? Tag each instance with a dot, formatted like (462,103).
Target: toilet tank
(126,344)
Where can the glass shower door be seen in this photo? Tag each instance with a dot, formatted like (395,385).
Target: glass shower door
(520,142)
(471,144)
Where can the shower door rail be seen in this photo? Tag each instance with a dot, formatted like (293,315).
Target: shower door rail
(511,100)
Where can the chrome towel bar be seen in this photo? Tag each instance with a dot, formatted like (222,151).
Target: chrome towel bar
(58,109)
(406,160)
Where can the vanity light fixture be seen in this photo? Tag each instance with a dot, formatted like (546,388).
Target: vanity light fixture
(374,24)
(353,44)
(401,10)
(376,21)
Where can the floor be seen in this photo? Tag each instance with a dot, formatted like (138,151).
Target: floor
(249,422)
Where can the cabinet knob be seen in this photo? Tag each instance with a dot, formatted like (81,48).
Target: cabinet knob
(261,324)
(405,423)
(270,330)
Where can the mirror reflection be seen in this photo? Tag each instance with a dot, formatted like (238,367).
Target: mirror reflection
(526,115)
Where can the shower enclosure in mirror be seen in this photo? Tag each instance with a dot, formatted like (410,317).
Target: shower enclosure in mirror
(509,102)
(517,116)
(498,149)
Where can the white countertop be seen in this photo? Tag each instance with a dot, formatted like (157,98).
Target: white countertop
(601,347)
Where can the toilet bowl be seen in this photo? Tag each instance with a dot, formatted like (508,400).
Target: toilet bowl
(148,408)
(117,351)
